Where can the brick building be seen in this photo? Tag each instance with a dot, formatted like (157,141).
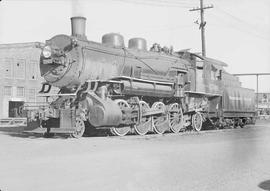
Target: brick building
(20,77)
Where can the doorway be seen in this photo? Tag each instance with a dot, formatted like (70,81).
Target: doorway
(14,108)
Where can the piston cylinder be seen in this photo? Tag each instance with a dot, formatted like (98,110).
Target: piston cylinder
(104,112)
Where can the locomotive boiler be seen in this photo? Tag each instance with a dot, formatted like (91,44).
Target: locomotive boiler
(132,89)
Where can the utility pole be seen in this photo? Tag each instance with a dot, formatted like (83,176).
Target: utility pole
(202,24)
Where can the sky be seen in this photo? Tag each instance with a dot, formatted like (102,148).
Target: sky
(237,32)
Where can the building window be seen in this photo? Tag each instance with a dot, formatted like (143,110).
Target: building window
(8,68)
(32,70)
(219,75)
(7,91)
(19,69)
(32,95)
(20,92)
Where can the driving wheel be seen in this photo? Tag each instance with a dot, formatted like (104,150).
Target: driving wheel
(160,121)
(145,124)
(175,118)
(121,130)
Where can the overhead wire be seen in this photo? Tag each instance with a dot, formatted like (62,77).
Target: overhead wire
(170,28)
(189,4)
(158,3)
(236,23)
(231,15)
(171,2)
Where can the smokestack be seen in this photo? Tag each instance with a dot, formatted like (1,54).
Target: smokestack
(78,27)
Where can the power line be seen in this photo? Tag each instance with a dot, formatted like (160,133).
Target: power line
(171,2)
(156,3)
(239,25)
(232,16)
(231,26)
(242,21)
(168,28)
(177,2)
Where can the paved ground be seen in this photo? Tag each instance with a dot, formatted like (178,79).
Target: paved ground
(227,160)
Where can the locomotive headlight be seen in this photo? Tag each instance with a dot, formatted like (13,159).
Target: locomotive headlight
(47,51)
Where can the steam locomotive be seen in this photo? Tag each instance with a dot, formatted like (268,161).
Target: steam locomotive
(135,90)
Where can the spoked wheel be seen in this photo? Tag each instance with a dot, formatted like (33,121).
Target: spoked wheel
(160,121)
(197,121)
(79,128)
(121,131)
(175,118)
(145,124)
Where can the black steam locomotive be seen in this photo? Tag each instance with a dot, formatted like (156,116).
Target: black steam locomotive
(132,90)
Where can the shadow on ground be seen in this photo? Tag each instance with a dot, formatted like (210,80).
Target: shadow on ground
(35,135)
(90,132)
(265,185)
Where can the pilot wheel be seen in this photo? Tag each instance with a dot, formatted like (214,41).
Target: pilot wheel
(79,128)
